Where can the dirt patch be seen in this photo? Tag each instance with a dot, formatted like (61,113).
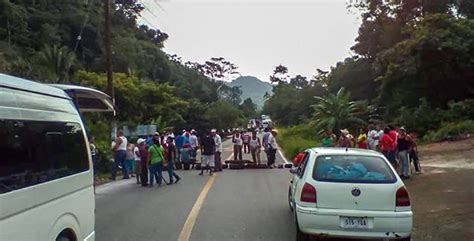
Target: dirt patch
(443,196)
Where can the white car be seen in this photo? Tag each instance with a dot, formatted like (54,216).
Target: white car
(349,193)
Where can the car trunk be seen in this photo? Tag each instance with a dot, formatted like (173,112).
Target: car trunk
(356,196)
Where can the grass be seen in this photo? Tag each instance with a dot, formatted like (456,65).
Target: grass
(295,139)
(451,130)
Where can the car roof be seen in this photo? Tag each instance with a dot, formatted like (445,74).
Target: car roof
(12,82)
(344,151)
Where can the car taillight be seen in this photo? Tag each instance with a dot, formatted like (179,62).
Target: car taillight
(402,197)
(308,194)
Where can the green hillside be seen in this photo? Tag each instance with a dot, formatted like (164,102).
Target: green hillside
(252,88)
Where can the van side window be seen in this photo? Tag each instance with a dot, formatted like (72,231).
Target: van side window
(34,152)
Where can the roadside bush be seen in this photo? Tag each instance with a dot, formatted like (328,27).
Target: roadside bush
(450,131)
(427,120)
(295,139)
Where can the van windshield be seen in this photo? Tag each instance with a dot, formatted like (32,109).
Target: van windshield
(352,169)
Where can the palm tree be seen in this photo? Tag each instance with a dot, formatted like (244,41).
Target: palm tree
(336,111)
(57,62)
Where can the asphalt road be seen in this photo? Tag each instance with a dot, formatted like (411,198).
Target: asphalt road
(240,205)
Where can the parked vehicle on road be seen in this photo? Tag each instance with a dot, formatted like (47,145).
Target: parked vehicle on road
(46,174)
(349,193)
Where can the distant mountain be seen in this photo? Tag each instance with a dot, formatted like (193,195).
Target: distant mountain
(252,87)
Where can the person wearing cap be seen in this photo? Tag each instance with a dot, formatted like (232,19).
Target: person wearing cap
(143,153)
(404,145)
(272,148)
(170,158)
(136,157)
(218,150)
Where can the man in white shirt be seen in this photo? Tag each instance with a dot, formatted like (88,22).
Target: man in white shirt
(272,148)
(120,149)
(194,142)
(218,152)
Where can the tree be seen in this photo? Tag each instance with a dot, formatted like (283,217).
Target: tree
(356,75)
(218,69)
(56,62)
(223,115)
(337,111)
(435,62)
(231,94)
(248,108)
(280,74)
(299,81)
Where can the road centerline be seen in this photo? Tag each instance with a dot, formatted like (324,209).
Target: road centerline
(192,217)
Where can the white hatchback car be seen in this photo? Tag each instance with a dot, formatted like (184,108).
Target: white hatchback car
(349,193)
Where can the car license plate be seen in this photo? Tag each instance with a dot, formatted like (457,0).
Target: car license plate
(354,222)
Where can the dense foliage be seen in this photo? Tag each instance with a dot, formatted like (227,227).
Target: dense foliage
(412,65)
(62,42)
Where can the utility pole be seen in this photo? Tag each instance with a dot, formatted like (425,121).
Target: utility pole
(108,49)
(108,61)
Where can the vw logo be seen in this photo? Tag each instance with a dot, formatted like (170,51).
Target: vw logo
(355,192)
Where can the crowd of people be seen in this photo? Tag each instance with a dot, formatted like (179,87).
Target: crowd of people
(397,144)
(148,157)
(247,141)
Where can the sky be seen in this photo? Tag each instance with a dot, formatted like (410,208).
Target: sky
(257,35)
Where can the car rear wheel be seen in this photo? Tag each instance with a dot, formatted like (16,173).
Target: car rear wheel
(406,239)
(289,199)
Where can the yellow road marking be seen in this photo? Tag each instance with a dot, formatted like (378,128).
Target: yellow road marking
(192,217)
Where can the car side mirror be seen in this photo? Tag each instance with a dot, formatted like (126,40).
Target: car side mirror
(288,165)
(294,170)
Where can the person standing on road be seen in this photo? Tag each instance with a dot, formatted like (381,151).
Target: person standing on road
(193,141)
(130,159)
(136,157)
(328,139)
(208,147)
(414,152)
(404,145)
(345,139)
(255,147)
(170,158)
(272,148)
(155,162)
(120,149)
(386,144)
(238,142)
(246,141)
(362,139)
(373,137)
(143,152)
(218,150)
(93,155)
(266,134)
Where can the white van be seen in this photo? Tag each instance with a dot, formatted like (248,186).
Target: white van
(46,179)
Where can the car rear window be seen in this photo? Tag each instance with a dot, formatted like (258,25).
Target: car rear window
(352,168)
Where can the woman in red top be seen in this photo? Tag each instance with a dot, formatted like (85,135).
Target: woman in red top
(386,144)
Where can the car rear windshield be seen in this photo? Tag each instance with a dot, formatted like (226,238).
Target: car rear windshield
(352,168)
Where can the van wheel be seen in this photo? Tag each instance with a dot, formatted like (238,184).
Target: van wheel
(300,236)
(289,199)
(406,239)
